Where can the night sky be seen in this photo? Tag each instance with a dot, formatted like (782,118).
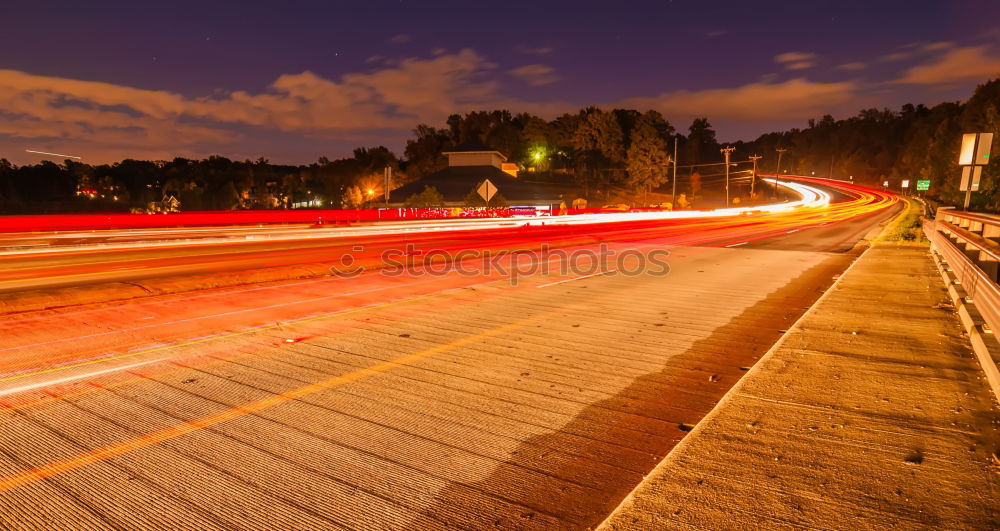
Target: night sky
(291,81)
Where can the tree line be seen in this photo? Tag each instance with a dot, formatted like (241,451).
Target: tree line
(593,149)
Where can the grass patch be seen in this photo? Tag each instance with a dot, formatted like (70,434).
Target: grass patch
(906,227)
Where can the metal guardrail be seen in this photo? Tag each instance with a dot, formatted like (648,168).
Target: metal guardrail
(970,244)
(969,248)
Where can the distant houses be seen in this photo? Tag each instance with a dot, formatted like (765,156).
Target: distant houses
(473,166)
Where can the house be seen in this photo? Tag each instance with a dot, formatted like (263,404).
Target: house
(469,166)
(169,203)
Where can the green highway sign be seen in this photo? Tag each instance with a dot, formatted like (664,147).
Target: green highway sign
(923,185)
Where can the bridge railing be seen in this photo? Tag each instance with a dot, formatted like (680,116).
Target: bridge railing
(970,244)
(969,247)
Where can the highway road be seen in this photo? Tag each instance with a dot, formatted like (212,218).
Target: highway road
(446,397)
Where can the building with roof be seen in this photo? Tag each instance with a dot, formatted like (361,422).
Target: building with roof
(469,166)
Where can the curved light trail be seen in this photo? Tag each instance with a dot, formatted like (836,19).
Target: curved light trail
(145,254)
(810,197)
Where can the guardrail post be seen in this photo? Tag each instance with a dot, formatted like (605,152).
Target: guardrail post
(970,250)
(992,232)
(989,265)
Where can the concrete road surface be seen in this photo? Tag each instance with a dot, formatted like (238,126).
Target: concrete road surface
(376,402)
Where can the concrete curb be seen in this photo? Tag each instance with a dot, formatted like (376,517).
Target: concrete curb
(862,247)
(984,343)
(728,397)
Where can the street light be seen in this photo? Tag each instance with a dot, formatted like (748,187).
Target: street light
(538,155)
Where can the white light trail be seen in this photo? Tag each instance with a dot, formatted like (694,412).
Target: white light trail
(53,154)
(810,198)
(66,379)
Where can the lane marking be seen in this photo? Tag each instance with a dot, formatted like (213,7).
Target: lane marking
(737,244)
(100,454)
(791,231)
(58,381)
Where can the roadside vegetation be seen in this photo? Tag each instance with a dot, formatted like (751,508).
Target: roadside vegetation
(908,226)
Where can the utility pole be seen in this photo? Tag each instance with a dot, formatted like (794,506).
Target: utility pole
(726,151)
(388,177)
(753,180)
(777,170)
(673,195)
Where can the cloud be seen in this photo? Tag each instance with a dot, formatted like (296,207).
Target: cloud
(956,64)
(796,60)
(717,33)
(915,49)
(937,46)
(851,66)
(896,56)
(536,74)
(402,38)
(792,99)
(392,97)
(533,50)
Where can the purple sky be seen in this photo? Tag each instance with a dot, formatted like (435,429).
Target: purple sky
(292,81)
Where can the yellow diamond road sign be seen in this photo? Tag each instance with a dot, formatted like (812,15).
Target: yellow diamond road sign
(487,190)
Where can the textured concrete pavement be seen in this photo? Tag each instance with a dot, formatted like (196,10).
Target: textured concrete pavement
(872,414)
(531,407)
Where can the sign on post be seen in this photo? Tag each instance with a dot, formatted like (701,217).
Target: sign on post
(923,185)
(906,183)
(970,178)
(487,190)
(975,149)
(975,154)
(983,150)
